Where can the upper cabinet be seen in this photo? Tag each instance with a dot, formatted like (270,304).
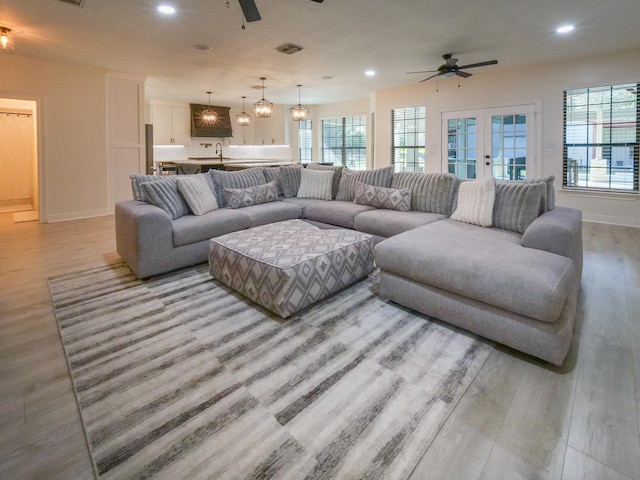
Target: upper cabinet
(171,124)
(270,131)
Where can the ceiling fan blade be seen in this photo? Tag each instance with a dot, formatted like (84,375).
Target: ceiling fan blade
(250,11)
(318,1)
(463,74)
(429,78)
(422,71)
(481,64)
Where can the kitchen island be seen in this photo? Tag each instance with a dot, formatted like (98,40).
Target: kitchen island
(201,165)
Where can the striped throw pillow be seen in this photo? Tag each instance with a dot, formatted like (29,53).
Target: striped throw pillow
(315,184)
(197,193)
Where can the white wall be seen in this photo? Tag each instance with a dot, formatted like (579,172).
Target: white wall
(542,85)
(72,132)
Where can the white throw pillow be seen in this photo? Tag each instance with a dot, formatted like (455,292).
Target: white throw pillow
(197,193)
(475,202)
(315,184)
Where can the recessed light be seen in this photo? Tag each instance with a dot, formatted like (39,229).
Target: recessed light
(166,9)
(565,29)
(370,73)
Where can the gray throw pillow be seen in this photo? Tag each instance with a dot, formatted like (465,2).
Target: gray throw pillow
(246,197)
(238,179)
(549,197)
(164,194)
(290,180)
(197,193)
(381,197)
(517,204)
(337,175)
(380,177)
(315,184)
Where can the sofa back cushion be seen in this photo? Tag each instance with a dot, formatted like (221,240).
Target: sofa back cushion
(272,174)
(290,180)
(380,177)
(337,175)
(517,204)
(430,192)
(250,177)
(549,195)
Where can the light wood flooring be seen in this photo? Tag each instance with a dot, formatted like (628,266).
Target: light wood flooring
(520,418)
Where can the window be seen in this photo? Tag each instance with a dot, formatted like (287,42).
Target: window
(601,129)
(305,141)
(344,141)
(408,139)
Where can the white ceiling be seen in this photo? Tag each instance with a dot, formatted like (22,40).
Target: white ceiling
(341,39)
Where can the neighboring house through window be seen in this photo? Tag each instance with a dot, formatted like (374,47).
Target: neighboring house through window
(601,129)
(408,139)
(344,141)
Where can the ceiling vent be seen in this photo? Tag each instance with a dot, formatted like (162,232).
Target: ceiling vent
(77,3)
(289,48)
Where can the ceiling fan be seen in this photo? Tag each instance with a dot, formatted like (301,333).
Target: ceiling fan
(250,10)
(450,68)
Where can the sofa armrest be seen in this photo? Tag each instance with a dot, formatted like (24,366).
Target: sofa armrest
(144,237)
(557,231)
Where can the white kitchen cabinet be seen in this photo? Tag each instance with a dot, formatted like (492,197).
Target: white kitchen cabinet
(171,124)
(270,131)
(242,135)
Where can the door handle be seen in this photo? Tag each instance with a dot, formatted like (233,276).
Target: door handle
(487,157)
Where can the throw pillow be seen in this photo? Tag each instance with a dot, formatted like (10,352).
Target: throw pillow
(517,204)
(164,194)
(549,197)
(337,175)
(290,179)
(431,192)
(475,202)
(315,184)
(380,177)
(246,197)
(238,179)
(197,193)
(381,197)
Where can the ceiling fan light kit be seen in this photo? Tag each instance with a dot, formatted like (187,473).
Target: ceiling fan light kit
(4,37)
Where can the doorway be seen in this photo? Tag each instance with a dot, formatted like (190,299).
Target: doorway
(19,159)
(490,142)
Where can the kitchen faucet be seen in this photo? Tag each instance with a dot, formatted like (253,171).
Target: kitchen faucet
(220,146)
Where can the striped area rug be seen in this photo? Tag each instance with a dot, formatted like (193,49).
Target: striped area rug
(178,377)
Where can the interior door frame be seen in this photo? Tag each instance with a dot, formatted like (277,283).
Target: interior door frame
(483,135)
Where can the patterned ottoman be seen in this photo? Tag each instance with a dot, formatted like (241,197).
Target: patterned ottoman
(286,266)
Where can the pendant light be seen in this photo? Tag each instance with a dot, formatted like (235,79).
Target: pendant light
(243,119)
(299,112)
(263,107)
(208,115)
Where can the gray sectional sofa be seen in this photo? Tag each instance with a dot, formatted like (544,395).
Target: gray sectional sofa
(517,285)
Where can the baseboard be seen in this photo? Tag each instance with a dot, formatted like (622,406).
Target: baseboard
(611,220)
(63,217)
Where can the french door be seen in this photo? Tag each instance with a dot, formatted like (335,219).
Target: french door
(496,142)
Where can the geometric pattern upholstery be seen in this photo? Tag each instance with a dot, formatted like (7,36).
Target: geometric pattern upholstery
(289,265)
(381,197)
(246,197)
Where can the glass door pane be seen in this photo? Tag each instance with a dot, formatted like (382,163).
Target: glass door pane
(462,139)
(511,139)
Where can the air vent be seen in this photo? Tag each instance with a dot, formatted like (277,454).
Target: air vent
(289,48)
(77,3)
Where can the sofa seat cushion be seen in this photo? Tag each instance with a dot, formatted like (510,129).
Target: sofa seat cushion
(484,264)
(386,223)
(336,212)
(191,228)
(304,203)
(272,212)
